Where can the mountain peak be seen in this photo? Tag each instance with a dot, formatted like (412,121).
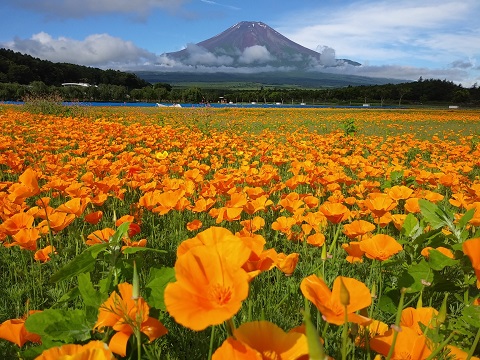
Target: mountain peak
(252,43)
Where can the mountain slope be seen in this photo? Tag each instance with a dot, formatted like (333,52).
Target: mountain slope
(252,44)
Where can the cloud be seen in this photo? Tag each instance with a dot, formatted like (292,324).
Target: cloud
(403,31)
(84,8)
(255,54)
(100,50)
(198,55)
(462,64)
(327,55)
(219,4)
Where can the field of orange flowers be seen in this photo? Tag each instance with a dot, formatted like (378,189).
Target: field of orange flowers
(203,233)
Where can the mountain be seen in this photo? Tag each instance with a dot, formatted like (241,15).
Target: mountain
(254,44)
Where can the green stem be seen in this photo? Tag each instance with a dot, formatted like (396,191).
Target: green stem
(210,349)
(397,323)
(440,347)
(474,345)
(345,335)
(334,242)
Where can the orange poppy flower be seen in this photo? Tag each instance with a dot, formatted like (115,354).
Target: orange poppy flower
(447,252)
(203,205)
(228,214)
(458,354)
(57,221)
(27,186)
(260,262)
(235,248)
(43,255)
(471,248)
(236,350)
(194,225)
(334,212)
(100,236)
(317,239)
(411,205)
(411,317)
(26,239)
(14,330)
(283,224)
(399,192)
(17,222)
(355,254)
(329,302)
(398,220)
(379,204)
(129,243)
(209,289)
(380,247)
(95,349)
(258,204)
(267,340)
(409,344)
(94,217)
(125,314)
(357,228)
(74,206)
(253,225)
(287,263)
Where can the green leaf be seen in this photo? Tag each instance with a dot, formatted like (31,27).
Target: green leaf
(388,302)
(438,261)
(466,218)
(471,315)
(122,230)
(396,176)
(63,325)
(411,227)
(157,282)
(432,214)
(90,296)
(414,277)
(70,295)
(133,250)
(82,263)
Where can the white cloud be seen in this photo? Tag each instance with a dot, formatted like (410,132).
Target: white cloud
(255,54)
(387,30)
(198,55)
(84,8)
(100,50)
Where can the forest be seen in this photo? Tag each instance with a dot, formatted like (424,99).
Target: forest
(24,76)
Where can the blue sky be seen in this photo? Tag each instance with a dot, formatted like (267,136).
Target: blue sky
(402,39)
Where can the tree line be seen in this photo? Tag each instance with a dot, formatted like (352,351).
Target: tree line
(24,69)
(23,75)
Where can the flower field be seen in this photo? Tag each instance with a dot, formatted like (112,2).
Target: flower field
(205,233)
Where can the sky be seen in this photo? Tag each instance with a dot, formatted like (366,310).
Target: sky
(399,39)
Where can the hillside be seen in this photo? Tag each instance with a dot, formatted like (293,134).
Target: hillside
(24,69)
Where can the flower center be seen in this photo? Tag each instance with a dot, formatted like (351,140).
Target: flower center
(220,294)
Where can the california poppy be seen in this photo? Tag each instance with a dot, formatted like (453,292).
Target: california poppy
(14,330)
(329,302)
(95,349)
(357,228)
(355,253)
(409,344)
(44,254)
(125,314)
(334,212)
(208,290)
(236,350)
(94,217)
(287,263)
(268,340)
(471,248)
(380,247)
